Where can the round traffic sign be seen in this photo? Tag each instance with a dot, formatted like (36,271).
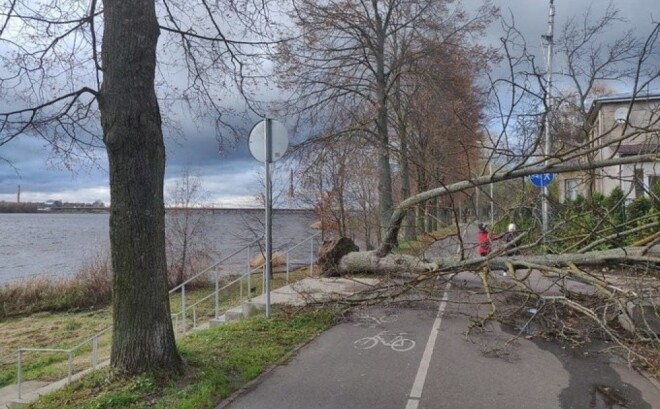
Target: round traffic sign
(279,140)
(541,179)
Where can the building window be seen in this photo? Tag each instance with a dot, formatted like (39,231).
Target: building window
(571,189)
(638,181)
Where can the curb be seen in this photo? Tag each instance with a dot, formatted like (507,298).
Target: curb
(256,381)
(649,378)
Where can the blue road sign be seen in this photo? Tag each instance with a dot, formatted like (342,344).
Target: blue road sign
(541,179)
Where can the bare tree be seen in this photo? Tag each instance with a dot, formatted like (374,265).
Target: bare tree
(186,224)
(337,178)
(349,56)
(82,77)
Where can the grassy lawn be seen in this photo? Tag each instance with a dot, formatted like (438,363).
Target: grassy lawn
(218,362)
(66,330)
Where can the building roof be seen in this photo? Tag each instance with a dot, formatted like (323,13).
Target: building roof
(636,149)
(627,96)
(647,95)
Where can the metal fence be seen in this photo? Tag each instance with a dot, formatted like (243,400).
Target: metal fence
(293,256)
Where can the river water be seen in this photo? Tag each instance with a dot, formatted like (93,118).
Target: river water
(59,245)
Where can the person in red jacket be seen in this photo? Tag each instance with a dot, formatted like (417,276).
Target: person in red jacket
(485,239)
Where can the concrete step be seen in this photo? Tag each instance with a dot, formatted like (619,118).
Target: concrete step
(221,320)
(251,308)
(233,315)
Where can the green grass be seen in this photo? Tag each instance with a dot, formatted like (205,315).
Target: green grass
(218,362)
(65,330)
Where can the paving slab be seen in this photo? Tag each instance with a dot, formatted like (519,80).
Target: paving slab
(9,393)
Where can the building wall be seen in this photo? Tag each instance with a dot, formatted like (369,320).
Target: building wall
(643,128)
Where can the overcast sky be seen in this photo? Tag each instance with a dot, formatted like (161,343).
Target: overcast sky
(231,179)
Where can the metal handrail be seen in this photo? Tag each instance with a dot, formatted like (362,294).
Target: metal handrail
(311,253)
(206,270)
(302,242)
(215,294)
(19,369)
(68,351)
(225,287)
(94,339)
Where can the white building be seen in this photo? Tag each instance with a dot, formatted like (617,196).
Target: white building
(620,125)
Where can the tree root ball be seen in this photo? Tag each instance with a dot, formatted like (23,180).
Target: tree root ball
(331,252)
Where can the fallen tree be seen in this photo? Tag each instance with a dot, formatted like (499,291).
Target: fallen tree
(614,292)
(371,262)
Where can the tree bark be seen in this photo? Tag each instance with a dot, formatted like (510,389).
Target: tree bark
(371,262)
(143,337)
(390,239)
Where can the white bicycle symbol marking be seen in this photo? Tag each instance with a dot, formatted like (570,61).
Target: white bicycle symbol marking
(372,322)
(395,341)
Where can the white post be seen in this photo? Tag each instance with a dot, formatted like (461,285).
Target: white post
(287,267)
(217,295)
(249,276)
(183,308)
(70,365)
(95,352)
(311,257)
(19,374)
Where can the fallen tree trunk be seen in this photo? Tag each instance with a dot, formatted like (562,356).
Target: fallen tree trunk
(370,262)
(399,212)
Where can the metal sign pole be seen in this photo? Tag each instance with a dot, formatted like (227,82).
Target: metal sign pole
(268,206)
(268,142)
(548,142)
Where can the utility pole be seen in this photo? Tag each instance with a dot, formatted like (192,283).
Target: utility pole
(548,38)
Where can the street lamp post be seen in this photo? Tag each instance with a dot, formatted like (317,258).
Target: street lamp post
(548,101)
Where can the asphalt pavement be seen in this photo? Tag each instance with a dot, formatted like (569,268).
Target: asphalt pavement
(417,356)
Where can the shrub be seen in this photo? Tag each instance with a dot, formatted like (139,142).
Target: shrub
(639,207)
(615,204)
(90,287)
(655,196)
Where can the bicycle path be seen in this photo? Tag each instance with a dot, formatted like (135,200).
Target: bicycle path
(443,369)
(335,371)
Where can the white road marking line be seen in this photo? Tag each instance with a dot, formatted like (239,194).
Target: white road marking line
(412,404)
(418,385)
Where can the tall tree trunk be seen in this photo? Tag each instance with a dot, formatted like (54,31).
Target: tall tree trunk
(143,337)
(421,209)
(385,199)
(342,214)
(409,222)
